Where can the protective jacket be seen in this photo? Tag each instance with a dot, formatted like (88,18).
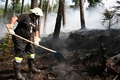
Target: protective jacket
(25,26)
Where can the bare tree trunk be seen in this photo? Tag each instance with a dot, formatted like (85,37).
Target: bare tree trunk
(34,3)
(5,10)
(52,6)
(64,16)
(58,21)
(46,15)
(22,9)
(14,5)
(41,3)
(39,20)
(82,15)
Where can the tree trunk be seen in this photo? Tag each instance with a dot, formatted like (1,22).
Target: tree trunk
(22,9)
(5,10)
(64,16)
(39,20)
(52,6)
(41,3)
(46,15)
(14,5)
(58,21)
(34,3)
(82,15)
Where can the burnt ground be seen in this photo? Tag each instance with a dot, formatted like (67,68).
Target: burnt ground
(85,51)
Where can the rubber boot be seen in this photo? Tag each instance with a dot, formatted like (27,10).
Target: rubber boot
(31,66)
(17,69)
(19,76)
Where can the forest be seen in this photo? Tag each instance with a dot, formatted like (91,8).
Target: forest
(82,52)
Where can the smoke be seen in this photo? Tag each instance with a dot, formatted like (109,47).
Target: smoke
(109,3)
(3,29)
(92,16)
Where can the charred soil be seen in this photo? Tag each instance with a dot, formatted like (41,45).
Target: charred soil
(85,51)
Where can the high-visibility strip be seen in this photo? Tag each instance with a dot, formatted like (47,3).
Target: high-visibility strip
(31,55)
(18,59)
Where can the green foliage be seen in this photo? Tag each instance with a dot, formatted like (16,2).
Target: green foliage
(18,9)
(76,4)
(1,12)
(93,2)
(18,6)
(109,18)
(44,5)
(6,46)
(27,8)
(108,14)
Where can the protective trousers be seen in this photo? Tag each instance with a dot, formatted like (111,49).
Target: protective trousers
(21,47)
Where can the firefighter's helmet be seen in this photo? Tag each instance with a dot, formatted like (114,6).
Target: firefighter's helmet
(37,11)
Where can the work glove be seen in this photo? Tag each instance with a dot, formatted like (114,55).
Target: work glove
(11,31)
(10,28)
(36,40)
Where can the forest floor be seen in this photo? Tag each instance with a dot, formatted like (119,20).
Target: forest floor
(85,52)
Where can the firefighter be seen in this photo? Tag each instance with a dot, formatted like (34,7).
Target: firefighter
(28,29)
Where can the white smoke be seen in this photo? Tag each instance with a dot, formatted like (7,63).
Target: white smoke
(93,19)
(3,29)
